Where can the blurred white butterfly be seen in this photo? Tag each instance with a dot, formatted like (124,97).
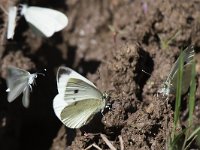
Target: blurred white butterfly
(78,99)
(169,86)
(43,21)
(12,15)
(19,81)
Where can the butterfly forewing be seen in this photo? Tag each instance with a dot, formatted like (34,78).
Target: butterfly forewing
(17,80)
(77,90)
(171,82)
(186,78)
(188,55)
(78,114)
(65,73)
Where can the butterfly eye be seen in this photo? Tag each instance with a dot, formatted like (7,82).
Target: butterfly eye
(105,96)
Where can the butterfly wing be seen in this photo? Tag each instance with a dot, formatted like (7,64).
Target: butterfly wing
(64,74)
(187,70)
(78,99)
(171,82)
(80,113)
(46,21)
(17,80)
(188,55)
(12,14)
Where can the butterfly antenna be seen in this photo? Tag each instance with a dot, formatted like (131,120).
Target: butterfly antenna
(146,72)
(40,73)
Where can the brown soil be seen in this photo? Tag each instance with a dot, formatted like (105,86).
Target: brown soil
(109,42)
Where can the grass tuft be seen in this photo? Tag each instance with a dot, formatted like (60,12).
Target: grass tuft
(182,139)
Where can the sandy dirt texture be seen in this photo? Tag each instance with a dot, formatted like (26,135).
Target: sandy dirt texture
(112,43)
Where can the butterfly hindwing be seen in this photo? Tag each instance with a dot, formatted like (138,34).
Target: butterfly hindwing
(25,98)
(80,113)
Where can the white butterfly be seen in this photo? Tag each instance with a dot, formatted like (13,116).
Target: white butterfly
(171,82)
(78,99)
(19,81)
(12,15)
(43,21)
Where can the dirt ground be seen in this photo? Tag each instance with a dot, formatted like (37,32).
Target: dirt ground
(111,43)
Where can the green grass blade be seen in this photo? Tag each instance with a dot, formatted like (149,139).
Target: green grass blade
(191,104)
(174,143)
(178,94)
(195,132)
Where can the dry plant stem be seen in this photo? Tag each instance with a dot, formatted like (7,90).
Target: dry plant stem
(4,25)
(93,145)
(3,9)
(107,142)
(3,37)
(121,142)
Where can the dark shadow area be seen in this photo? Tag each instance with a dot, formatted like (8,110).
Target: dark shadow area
(71,134)
(153,132)
(113,132)
(95,125)
(39,123)
(21,27)
(145,63)
(71,55)
(47,3)
(90,66)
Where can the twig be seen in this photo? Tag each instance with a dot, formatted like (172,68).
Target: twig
(93,145)
(107,142)
(3,9)
(121,142)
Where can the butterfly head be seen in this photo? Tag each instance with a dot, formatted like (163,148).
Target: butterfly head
(22,9)
(166,89)
(34,76)
(105,96)
(31,79)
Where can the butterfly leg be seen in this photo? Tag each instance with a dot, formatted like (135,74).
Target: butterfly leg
(30,87)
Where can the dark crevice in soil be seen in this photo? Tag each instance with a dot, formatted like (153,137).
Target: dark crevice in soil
(113,132)
(71,134)
(145,63)
(152,132)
